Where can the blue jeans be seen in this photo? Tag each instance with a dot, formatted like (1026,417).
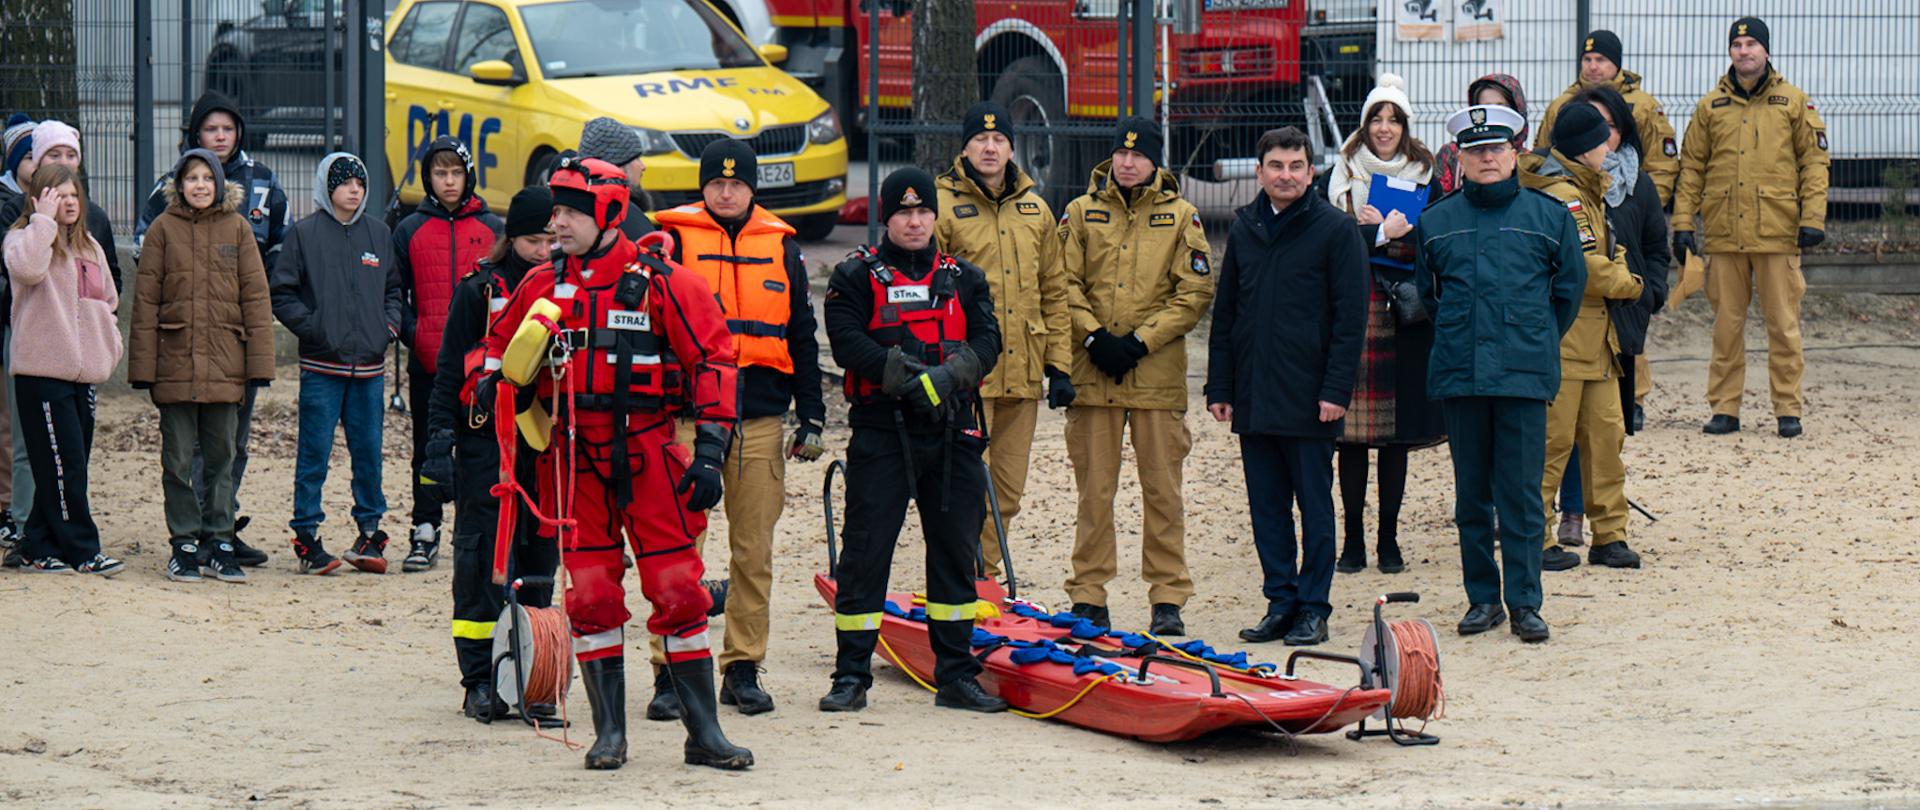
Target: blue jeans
(327,401)
(1572,501)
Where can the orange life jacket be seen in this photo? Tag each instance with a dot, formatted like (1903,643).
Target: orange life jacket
(748,272)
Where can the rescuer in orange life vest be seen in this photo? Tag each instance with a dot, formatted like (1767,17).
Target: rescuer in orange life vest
(616,344)
(749,257)
(915,330)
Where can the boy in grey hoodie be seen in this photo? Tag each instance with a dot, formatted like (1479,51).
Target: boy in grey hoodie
(337,288)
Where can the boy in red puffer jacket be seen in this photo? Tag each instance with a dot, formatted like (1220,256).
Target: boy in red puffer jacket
(442,240)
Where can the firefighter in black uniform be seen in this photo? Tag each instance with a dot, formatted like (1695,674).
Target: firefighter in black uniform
(460,431)
(915,331)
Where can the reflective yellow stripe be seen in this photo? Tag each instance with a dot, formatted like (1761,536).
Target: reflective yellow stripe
(939,612)
(927,383)
(474,630)
(856,621)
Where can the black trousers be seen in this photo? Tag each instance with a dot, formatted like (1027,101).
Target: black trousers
(951,484)
(56,420)
(1499,456)
(477,602)
(1282,471)
(426,509)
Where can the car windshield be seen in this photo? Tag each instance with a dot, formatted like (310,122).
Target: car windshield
(615,37)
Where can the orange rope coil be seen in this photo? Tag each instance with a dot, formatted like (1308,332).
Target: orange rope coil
(1418,693)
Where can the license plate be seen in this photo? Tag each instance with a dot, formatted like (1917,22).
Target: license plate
(776,175)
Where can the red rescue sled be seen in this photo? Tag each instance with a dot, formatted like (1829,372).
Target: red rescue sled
(1163,696)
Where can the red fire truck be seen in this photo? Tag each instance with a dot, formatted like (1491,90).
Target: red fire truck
(1244,71)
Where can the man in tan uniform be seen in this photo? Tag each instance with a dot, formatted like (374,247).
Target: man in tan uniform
(1755,169)
(1587,406)
(992,218)
(1138,278)
(1600,64)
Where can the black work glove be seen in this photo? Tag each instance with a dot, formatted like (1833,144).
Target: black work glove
(1060,391)
(484,390)
(933,387)
(436,470)
(702,478)
(900,372)
(1811,236)
(1683,244)
(1108,354)
(807,444)
(1135,348)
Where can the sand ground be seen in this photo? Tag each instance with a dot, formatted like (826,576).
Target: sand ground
(1764,654)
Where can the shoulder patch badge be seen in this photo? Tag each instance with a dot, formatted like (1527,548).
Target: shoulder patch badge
(1097,215)
(1196,220)
(965,211)
(1201,266)
(1160,221)
(1720,102)
(1780,100)
(1027,207)
(1820,140)
(1670,148)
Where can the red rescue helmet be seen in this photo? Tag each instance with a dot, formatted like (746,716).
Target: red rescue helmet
(591,186)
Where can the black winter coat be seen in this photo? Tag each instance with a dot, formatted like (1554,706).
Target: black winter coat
(1639,226)
(1289,317)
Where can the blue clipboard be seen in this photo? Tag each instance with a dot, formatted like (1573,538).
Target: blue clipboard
(1394,194)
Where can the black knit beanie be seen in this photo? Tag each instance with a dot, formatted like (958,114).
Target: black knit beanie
(1603,42)
(1140,135)
(985,117)
(730,159)
(1578,130)
(907,188)
(529,212)
(1751,27)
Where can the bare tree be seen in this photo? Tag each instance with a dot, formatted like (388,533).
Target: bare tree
(39,59)
(945,82)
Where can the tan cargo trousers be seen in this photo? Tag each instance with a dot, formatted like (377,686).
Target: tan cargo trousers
(1161,442)
(1010,430)
(1588,411)
(1732,279)
(754,491)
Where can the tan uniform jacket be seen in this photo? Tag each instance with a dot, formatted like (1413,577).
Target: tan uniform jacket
(1754,167)
(1659,152)
(1587,351)
(1016,242)
(1137,266)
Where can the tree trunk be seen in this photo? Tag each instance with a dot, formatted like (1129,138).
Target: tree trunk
(945,82)
(40,73)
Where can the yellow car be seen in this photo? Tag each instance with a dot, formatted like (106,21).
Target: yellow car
(517,79)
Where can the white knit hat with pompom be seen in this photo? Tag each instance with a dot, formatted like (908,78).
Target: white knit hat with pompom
(1391,89)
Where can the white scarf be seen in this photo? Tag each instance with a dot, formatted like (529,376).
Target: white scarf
(1354,176)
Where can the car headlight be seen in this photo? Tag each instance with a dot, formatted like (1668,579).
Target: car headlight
(653,141)
(824,128)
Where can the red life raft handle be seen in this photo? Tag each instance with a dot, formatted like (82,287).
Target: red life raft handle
(1212,676)
(1366,678)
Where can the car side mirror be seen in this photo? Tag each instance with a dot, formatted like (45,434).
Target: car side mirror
(494,72)
(774,53)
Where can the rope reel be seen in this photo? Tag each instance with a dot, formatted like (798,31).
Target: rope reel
(541,666)
(1403,657)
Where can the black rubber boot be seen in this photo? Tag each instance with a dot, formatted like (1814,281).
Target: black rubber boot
(665,704)
(1353,549)
(606,682)
(706,744)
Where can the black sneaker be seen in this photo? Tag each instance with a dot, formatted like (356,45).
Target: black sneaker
(966,693)
(313,557)
(222,564)
(184,565)
(46,565)
(1094,613)
(102,565)
(369,553)
(1721,425)
(1614,555)
(247,556)
(1558,559)
(424,549)
(13,559)
(9,531)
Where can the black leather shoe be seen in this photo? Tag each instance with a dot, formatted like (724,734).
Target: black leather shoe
(1528,625)
(1272,627)
(1614,555)
(1093,613)
(1789,427)
(1353,551)
(665,704)
(1721,425)
(706,744)
(966,693)
(606,683)
(1639,418)
(1390,560)
(741,687)
(1308,630)
(847,695)
(1558,559)
(1166,621)
(1481,618)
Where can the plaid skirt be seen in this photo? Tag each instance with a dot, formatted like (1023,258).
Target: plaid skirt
(1370,416)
